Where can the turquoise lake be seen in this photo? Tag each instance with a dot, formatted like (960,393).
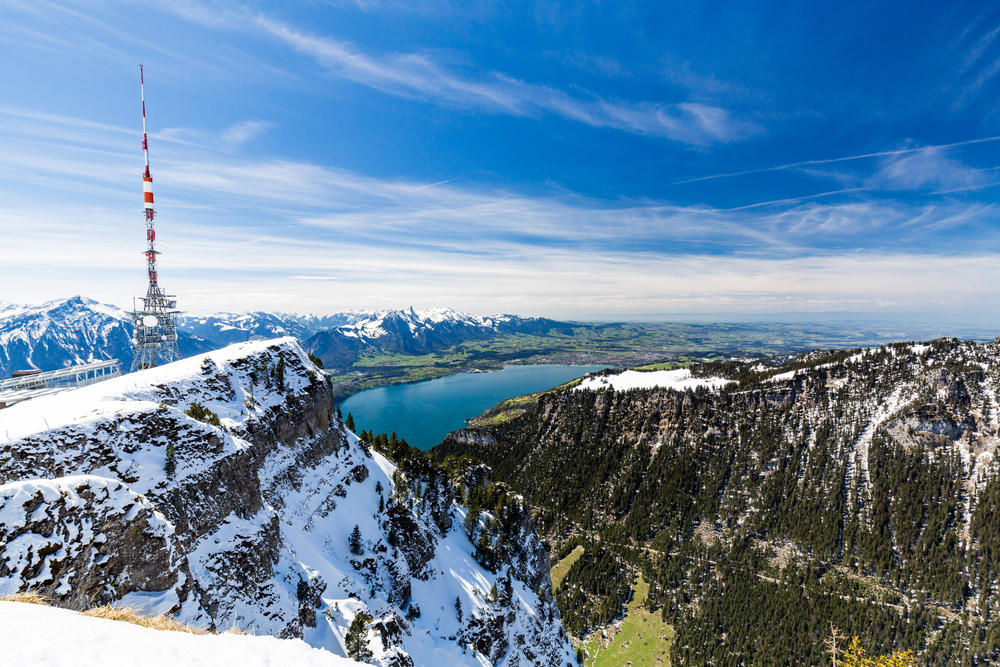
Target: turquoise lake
(424,412)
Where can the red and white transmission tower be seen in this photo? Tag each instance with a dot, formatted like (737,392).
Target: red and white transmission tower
(155,324)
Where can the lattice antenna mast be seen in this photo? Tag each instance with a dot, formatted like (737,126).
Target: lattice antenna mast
(147,191)
(155,323)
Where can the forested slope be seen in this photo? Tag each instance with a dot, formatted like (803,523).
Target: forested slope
(854,487)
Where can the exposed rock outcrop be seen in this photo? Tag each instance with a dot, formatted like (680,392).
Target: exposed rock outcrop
(223,489)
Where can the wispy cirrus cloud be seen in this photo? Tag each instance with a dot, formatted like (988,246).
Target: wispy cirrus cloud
(417,75)
(980,62)
(246,230)
(974,55)
(928,168)
(234,136)
(456,216)
(244,131)
(835,160)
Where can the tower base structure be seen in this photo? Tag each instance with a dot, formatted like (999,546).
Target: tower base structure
(155,329)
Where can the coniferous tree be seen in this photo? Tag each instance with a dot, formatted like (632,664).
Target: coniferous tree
(302,590)
(349,423)
(170,465)
(355,541)
(472,517)
(356,640)
(279,374)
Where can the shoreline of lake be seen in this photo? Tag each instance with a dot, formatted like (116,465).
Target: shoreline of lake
(425,411)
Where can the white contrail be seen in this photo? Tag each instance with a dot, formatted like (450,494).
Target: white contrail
(863,156)
(431,185)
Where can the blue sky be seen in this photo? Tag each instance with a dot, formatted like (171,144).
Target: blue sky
(600,160)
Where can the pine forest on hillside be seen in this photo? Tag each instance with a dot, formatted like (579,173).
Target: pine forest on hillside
(854,488)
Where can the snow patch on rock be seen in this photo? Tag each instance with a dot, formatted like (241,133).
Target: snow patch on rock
(680,379)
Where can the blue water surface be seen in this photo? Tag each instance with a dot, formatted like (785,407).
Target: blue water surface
(425,412)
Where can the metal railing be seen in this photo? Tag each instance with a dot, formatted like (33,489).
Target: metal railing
(64,378)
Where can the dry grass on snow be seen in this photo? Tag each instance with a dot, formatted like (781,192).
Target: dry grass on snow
(134,616)
(125,614)
(29,597)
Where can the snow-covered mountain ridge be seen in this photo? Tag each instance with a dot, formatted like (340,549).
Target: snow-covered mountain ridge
(225,328)
(76,330)
(411,331)
(70,331)
(223,489)
(61,333)
(376,325)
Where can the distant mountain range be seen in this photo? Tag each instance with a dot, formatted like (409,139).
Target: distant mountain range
(412,331)
(226,328)
(78,329)
(70,331)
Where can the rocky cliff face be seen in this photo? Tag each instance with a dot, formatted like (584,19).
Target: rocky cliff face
(224,490)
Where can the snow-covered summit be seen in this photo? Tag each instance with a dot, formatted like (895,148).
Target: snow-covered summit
(57,310)
(67,332)
(61,333)
(223,489)
(383,323)
(233,327)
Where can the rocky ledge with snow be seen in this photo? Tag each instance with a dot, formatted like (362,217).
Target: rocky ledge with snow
(222,489)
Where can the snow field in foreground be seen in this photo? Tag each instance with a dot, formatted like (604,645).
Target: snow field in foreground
(42,636)
(679,379)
